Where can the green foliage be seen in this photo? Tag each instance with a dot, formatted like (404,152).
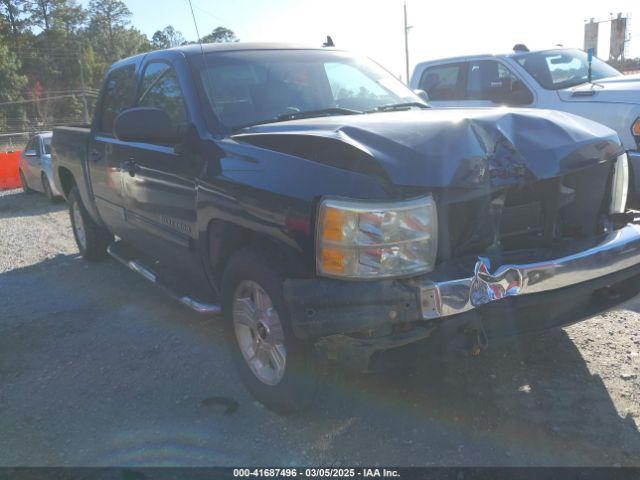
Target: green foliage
(53,55)
(12,83)
(220,35)
(12,14)
(628,64)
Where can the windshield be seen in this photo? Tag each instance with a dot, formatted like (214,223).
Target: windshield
(558,69)
(248,87)
(46,141)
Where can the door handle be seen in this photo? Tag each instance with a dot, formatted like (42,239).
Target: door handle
(95,155)
(131,166)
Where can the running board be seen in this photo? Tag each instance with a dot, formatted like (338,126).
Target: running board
(139,268)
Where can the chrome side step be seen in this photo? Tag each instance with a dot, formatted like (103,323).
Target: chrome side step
(139,268)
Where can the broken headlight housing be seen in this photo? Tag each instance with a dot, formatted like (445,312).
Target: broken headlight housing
(372,240)
(620,185)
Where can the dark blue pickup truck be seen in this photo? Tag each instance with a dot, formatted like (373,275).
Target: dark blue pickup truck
(328,213)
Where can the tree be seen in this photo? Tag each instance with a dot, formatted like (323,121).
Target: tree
(159,40)
(166,38)
(12,83)
(220,35)
(11,12)
(109,15)
(43,12)
(70,17)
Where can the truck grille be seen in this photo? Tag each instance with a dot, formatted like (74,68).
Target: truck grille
(538,214)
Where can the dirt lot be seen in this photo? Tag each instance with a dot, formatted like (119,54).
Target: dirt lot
(98,368)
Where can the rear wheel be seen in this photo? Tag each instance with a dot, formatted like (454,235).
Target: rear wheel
(25,186)
(46,188)
(91,238)
(273,364)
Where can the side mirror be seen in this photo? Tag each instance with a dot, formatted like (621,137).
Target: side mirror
(424,96)
(146,125)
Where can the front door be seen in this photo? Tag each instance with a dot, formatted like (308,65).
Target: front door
(32,158)
(158,180)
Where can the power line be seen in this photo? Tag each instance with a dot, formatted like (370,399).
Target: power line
(18,102)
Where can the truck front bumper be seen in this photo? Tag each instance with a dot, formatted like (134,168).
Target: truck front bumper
(515,298)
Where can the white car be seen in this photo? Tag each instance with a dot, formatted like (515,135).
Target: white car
(556,79)
(35,166)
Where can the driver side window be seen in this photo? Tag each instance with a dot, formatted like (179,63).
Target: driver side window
(161,89)
(30,149)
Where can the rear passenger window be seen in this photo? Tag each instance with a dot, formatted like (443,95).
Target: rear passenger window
(443,82)
(161,89)
(118,95)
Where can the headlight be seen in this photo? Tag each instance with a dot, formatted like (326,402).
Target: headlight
(620,185)
(365,240)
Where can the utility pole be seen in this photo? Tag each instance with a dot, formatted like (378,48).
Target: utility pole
(84,90)
(406,43)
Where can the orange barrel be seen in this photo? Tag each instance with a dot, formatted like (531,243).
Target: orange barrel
(9,177)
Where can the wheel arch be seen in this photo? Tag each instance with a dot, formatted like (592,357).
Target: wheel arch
(67,181)
(224,238)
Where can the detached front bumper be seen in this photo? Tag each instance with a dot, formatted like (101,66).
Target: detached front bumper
(563,288)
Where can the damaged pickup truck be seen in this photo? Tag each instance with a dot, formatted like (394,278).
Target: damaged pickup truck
(327,212)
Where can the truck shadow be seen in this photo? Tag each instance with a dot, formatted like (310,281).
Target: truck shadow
(19,204)
(531,402)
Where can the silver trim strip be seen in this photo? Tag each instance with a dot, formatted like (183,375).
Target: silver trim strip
(617,251)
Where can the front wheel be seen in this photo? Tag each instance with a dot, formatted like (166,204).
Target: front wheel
(91,238)
(277,368)
(25,186)
(46,188)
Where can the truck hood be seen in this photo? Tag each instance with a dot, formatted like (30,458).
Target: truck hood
(447,147)
(621,89)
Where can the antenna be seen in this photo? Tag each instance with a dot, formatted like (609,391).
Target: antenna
(195,24)
(329,42)
(204,57)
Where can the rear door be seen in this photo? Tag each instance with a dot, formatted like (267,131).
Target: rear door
(160,181)
(106,153)
(444,83)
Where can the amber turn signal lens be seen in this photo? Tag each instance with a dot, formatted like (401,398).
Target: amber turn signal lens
(635,129)
(332,260)
(333,222)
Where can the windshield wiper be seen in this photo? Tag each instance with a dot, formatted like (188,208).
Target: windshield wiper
(325,112)
(398,106)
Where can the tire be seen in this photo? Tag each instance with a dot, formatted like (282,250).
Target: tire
(283,390)
(25,187)
(46,188)
(91,238)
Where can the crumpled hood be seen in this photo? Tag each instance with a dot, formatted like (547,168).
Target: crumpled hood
(455,147)
(621,89)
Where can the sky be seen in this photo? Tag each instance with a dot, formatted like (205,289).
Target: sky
(375,28)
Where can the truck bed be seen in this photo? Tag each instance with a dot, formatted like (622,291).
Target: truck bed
(69,151)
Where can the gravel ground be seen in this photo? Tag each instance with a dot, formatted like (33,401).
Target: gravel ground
(98,368)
